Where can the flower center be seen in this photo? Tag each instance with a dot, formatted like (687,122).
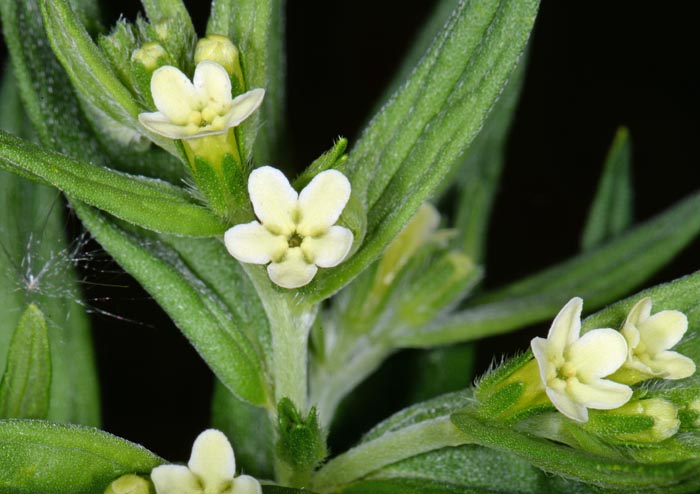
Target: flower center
(295,240)
(566,371)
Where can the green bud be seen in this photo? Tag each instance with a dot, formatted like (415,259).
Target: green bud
(219,49)
(301,444)
(643,421)
(151,56)
(129,484)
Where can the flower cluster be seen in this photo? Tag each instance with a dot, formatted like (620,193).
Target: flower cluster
(573,368)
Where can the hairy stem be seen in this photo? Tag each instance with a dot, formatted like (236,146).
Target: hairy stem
(389,448)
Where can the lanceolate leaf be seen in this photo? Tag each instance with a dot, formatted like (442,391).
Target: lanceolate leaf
(105,96)
(150,203)
(26,383)
(478,175)
(611,475)
(198,312)
(36,267)
(599,276)
(415,140)
(256,27)
(611,211)
(45,88)
(59,459)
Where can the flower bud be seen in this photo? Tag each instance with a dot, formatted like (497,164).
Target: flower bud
(129,484)
(643,421)
(219,49)
(151,56)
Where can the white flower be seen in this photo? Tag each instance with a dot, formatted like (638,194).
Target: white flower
(649,339)
(211,470)
(572,366)
(296,232)
(197,108)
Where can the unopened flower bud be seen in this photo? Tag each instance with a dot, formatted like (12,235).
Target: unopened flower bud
(151,56)
(129,484)
(218,49)
(660,414)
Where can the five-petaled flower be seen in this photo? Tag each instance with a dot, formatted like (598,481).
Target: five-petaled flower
(204,106)
(649,339)
(572,367)
(297,231)
(211,470)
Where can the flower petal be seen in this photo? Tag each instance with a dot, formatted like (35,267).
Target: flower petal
(567,406)
(662,330)
(159,124)
(672,365)
(539,350)
(293,271)
(245,484)
(565,328)
(173,94)
(600,394)
(212,80)
(639,312)
(243,106)
(274,200)
(174,479)
(252,242)
(598,353)
(212,460)
(322,201)
(329,249)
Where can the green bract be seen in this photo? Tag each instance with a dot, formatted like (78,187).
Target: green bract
(153,134)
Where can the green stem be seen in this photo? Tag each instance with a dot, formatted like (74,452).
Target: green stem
(385,450)
(290,321)
(345,370)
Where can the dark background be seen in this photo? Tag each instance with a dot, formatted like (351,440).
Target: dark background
(593,66)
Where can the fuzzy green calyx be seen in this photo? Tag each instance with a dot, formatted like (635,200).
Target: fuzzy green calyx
(649,420)
(301,444)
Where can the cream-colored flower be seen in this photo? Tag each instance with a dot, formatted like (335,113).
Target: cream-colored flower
(297,231)
(572,367)
(649,339)
(211,470)
(204,106)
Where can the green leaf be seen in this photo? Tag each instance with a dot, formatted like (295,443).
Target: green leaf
(44,86)
(333,158)
(150,203)
(415,140)
(420,44)
(478,175)
(578,465)
(469,469)
(61,459)
(26,384)
(249,429)
(599,276)
(36,267)
(611,211)
(201,315)
(277,489)
(109,103)
(256,27)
